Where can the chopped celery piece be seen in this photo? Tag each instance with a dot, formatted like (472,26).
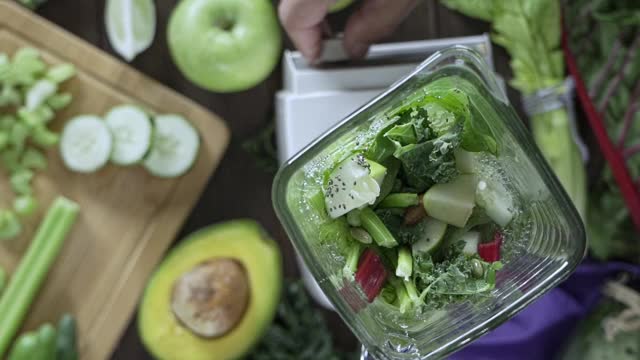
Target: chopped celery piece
(25,67)
(38,93)
(6,122)
(351,265)
(44,137)
(25,205)
(21,181)
(60,73)
(9,96)
(33,159)
(10,159)
(376,228)
(29,118)
(4,139)
(59,101)
(44,113)
(3,278)
(399,200)
(9,225)
(18,135)
(405,263)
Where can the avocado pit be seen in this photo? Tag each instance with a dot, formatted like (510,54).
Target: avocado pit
(211,298)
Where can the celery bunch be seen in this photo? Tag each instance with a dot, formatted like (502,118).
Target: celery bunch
(530,30)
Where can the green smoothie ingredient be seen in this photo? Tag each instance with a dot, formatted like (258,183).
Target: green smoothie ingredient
(414,202)
(30,94)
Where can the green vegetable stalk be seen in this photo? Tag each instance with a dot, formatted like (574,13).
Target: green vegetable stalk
(530,31)
(33,268)
(3,278)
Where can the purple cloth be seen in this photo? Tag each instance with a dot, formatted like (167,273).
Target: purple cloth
(541,330)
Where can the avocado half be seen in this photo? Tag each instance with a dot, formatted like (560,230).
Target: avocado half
(214,295)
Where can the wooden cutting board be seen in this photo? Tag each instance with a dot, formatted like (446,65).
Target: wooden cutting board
(128,218)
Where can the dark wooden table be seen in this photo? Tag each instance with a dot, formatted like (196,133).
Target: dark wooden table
(239,189)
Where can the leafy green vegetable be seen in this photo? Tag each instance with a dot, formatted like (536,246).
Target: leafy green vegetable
(604,37)
(262,147)
(430,162)
(299,331)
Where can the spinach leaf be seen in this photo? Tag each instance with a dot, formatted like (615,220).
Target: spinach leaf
(429,162)
(477,136)
(402,135)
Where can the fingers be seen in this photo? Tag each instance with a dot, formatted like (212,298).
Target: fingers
(303,21)
(375,20)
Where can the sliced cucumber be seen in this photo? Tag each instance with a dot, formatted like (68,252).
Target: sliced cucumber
(131,129)
(434,231)
(471,240)
(350,186)
(174,148)
(496,200)
(452,202)
(85,144)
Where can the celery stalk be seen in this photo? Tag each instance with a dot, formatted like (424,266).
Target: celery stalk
(33,268)
(3,278)
(552,133)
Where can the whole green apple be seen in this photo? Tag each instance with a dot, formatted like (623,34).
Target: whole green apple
(339,5)
(224,45)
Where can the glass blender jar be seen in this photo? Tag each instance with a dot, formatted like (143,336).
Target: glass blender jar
(543,246)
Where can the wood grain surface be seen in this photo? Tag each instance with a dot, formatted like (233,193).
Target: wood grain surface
(240,189)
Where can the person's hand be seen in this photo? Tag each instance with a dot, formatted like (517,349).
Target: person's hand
(304,20)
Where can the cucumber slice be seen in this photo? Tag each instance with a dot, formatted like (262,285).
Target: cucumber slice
(452,202)
(496,200)
(434,231)
(132,131)
(471,240)
(85,144)
(350,186)
(174,148)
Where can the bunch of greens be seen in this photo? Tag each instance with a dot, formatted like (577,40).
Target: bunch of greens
(299,331)
(29,98)
(262,148)
(604,37)
(530,30)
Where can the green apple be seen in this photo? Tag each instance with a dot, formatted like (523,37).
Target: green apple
(339,5)
(224,45)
